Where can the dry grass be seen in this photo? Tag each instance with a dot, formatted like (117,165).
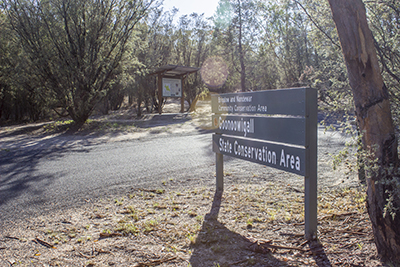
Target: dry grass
(246,226)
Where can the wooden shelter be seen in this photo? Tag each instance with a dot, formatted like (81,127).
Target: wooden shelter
(172,72)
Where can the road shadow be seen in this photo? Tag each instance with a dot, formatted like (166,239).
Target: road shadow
(25,129)
(19,160)
(23,147)
(155,120)
(216,245)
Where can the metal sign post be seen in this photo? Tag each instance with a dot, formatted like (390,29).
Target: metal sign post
(310,179)
(286,141)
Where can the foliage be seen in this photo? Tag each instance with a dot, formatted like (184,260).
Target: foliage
(73,49)
(70,57)
(234,36)
(150,47)
(69,69)
(385,23)
(194,31)
(20,95)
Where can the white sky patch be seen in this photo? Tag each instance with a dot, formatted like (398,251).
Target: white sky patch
(187,7)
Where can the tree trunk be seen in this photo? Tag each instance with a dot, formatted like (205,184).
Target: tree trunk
(139,106)
(372,105)
(241,52)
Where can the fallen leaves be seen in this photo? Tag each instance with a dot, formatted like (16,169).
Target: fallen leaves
(107,235)
(218,229)
(43,243)
(155,262)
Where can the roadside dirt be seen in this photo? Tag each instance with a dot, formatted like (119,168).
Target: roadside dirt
(257,221)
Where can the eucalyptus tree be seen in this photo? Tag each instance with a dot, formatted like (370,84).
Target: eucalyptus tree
(151,47)
(183,41)
(75,47)
(235,22)
(268,73)
(328,71)
(202,34)
(193,36)
(372,104)
(384,19)
(285,32)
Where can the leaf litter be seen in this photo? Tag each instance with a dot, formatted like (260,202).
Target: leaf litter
(244,226)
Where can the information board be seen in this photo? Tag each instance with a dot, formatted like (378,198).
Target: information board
(171,87)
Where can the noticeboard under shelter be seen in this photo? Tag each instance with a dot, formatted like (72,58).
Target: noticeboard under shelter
(171,87)
(170,82)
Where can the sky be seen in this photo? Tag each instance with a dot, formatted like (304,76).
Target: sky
(186,7)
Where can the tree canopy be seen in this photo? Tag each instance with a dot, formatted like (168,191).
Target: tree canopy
(70,58)
(74,48)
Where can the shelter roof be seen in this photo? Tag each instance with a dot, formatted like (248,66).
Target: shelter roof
(174,70)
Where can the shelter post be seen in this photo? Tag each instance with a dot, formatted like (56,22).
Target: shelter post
(183,95)
(159,80)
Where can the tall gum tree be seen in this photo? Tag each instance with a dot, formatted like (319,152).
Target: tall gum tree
(371,99)
(236,20)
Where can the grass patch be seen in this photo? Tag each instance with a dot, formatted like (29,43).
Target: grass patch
(127,228)
(58,126)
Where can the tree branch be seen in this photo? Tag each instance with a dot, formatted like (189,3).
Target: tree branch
(316,24)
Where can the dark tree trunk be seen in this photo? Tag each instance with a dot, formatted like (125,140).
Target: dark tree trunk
(139,106)
(371,100)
